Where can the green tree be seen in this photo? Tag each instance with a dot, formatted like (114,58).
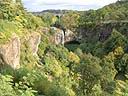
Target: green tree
(90,72)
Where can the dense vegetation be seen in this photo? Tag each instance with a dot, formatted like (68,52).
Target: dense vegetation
(98,66)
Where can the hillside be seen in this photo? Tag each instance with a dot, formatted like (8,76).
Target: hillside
(72,54)
(52,12)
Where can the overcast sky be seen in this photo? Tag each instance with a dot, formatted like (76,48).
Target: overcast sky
(39,5)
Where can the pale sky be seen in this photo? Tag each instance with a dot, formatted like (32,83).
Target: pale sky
(39,5)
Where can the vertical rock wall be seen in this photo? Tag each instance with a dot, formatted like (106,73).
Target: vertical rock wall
(10,53)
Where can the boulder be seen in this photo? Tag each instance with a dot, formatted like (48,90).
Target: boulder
(10,53)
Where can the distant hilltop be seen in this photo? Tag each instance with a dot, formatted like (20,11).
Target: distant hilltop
(52,11)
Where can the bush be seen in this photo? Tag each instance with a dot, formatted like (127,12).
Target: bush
(7,29)
(6,88)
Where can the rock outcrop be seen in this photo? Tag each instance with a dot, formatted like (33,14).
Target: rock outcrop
(10,53)
(34,41)
(57,36)
(69,36)
(60,37)
(101,31)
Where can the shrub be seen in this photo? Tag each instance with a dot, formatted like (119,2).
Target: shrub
(6,88)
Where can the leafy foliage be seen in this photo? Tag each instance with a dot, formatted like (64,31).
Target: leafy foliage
(98,66)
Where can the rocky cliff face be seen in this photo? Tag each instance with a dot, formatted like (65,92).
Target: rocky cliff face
(34,41)
(100,32)
(69,36)
(61,37)
(57,36)
(10,53)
